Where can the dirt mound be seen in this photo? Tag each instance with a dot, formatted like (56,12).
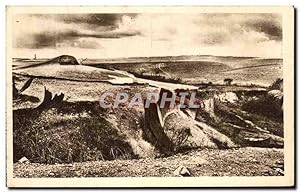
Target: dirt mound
(175,129)
(188,133)
(64,60)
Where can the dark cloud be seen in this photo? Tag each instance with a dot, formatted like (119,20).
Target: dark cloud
(53,39)
(270,27)
(83,30)
(91,21)
(107,35)
(99,26)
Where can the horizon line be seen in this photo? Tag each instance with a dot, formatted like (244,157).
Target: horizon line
(157,56)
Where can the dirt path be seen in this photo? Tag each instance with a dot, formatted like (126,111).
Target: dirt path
(207,162)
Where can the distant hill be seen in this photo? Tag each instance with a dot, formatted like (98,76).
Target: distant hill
(62,60)
(192,69)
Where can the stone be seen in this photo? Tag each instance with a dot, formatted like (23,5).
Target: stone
(182,171)
(280,171)
(24,160)
(185,172)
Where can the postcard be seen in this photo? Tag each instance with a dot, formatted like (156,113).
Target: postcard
(165,96)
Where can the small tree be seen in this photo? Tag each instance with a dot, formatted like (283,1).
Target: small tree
(228,81)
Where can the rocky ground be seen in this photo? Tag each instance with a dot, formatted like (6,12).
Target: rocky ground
(207,162)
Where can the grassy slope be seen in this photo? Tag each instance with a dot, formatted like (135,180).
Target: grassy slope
(69,72)
(79,124)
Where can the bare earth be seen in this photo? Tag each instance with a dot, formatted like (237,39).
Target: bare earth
(207,162)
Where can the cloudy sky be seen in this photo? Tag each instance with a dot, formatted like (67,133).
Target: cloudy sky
(128,35)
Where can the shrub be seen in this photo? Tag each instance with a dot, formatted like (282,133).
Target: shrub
(277,84)
(263,106)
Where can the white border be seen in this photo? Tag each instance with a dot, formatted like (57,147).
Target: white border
(225,181)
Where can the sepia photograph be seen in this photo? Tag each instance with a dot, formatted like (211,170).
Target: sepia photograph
(150,96)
